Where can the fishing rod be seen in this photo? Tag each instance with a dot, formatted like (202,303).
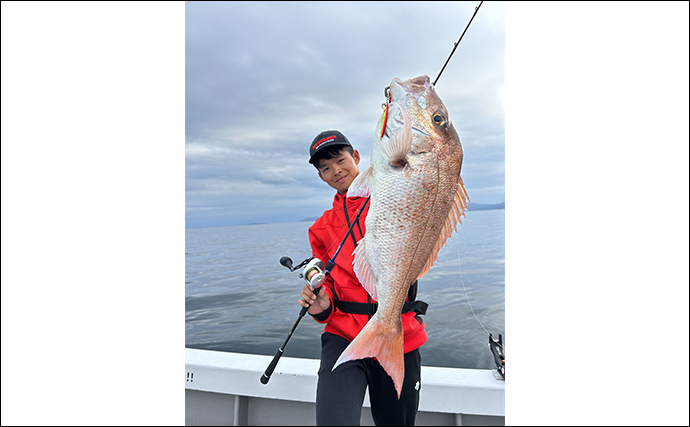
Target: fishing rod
(455,46)
(315,273)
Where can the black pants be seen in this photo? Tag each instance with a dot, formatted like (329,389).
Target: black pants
(340,393)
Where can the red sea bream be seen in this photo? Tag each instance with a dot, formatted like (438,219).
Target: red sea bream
(417,198)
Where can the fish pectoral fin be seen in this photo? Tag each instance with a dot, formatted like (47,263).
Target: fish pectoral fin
(377,340)
(362,185)
(457,210)
(400,143)
(361,268)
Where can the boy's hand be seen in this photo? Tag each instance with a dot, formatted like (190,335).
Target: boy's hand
(318,302)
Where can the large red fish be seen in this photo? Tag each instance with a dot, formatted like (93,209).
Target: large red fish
(417,197)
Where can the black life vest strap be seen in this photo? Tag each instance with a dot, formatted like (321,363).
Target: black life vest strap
(370,308)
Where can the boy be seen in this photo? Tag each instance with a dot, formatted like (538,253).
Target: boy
(345,306)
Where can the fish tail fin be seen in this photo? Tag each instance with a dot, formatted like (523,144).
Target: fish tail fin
(377,339)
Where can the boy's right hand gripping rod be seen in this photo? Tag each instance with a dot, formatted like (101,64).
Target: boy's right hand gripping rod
(311,272)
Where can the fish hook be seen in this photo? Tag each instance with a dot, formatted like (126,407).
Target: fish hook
(387,94)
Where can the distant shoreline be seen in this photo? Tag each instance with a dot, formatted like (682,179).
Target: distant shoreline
(485,207)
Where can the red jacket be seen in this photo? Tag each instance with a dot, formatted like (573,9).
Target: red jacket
(325,235)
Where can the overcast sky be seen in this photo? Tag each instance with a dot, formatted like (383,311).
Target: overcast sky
(262,79)
(94,183)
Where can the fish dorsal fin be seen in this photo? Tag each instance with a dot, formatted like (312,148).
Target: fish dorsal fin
(361,268)
(456,210)
(400,144)
(362,185)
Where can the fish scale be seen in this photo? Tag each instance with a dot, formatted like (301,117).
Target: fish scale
(417,198)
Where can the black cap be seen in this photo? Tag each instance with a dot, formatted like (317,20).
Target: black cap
(326,139)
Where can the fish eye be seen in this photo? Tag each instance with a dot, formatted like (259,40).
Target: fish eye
(439,119)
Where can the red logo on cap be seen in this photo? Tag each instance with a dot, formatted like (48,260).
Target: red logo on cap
(322,140)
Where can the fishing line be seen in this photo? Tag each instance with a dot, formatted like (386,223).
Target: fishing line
(457,246)
(198,326)
(455,46)
(349,230)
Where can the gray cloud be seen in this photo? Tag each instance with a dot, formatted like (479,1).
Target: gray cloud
(262,79)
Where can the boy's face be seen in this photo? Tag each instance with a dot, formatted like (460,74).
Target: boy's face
(340,171)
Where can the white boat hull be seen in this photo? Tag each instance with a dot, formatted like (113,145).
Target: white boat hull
(223,388)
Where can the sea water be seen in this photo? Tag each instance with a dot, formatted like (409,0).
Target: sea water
(238,298)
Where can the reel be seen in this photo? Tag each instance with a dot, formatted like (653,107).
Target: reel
(313,273)
(313,270)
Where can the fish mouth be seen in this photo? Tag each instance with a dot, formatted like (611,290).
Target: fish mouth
(415,87)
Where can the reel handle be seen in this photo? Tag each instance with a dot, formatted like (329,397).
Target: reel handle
(286,262)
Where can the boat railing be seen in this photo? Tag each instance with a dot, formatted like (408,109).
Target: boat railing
(224,388)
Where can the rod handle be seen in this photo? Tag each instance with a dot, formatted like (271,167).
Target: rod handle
(271,367)
(304,309)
